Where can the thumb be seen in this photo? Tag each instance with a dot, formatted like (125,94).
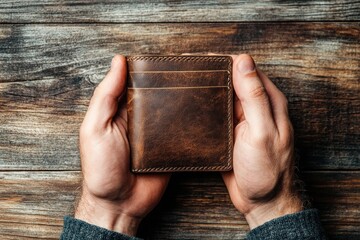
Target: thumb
(251,92)
(104,103)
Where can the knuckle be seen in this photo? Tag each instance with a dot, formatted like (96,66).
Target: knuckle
(286,138)
(258,92)
(88,129)
(261,138)
(286,143)
(109,100)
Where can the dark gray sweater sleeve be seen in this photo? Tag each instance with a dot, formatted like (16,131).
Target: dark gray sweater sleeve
(75,229)
(302,225)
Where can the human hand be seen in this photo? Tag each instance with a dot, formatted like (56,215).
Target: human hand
(261,183)
(113,197)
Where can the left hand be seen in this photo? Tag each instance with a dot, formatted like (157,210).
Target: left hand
(112,196)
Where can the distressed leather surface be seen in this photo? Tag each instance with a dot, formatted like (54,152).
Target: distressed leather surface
(180,113)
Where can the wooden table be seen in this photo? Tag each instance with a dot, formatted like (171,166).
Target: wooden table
(53,53)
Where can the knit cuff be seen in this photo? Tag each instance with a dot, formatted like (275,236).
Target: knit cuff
(302,225)
(75,229)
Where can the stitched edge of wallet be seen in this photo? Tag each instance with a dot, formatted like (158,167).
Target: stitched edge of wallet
(181,58)
(229,110)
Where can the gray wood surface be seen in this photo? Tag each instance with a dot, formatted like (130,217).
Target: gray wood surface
(53,53)
(45,11)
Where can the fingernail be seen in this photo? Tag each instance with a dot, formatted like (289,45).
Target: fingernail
(113,60)
(246,65)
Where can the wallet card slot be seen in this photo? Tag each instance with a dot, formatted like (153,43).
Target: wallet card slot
(178,79)
(176,63)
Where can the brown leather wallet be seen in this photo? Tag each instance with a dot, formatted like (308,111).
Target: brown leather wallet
(180,113)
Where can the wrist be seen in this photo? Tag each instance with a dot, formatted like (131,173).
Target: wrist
(278,207)
(102,213)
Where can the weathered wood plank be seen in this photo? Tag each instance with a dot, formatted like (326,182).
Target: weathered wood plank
(39,141)
(32,204)
(195,206)
(48,73)
(17,11)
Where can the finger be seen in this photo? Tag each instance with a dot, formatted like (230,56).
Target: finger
(278,102)
(227,177)
(230,183)
(155,178)
(104,103)
(156,181)
(252,94)
(121,116)
(238,111)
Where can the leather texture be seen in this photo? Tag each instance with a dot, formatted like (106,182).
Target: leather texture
(180,113)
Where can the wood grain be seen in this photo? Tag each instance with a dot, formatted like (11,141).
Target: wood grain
(48,73)
(195,206)
(34,203)
(45,11)
(53,53)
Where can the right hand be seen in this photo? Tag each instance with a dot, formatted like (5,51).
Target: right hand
(112,196)
(261,183)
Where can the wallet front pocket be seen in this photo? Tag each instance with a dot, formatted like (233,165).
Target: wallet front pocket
(180,113)
(178,79)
